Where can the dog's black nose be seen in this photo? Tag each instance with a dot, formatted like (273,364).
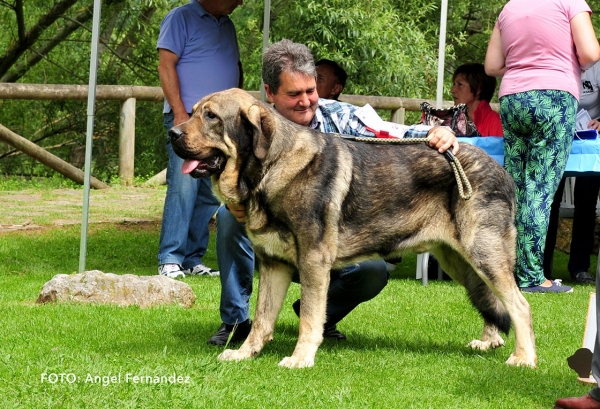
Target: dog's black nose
(175,133)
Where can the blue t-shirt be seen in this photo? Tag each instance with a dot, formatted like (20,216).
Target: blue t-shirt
(207,49)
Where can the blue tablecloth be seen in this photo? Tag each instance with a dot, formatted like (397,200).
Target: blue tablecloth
(584,156)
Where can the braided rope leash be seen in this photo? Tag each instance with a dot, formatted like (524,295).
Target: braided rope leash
(459,173)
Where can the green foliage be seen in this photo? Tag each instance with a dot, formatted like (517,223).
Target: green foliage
(127,56)
(388,47)
(384,52)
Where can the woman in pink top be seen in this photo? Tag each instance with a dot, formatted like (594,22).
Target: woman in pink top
(473,87)
(539,48)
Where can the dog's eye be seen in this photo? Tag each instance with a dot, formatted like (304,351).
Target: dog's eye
(210,115)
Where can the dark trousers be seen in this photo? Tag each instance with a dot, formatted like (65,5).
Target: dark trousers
(352,285)
(585,197)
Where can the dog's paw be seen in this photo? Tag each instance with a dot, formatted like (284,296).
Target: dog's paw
(232,355)
(514,360)
(486,345)
(293,362)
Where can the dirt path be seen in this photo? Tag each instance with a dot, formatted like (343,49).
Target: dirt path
(35,209)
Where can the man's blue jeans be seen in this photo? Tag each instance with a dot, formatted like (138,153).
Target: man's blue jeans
(348,287)
(189,206)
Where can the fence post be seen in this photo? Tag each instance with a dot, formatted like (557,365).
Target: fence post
(398,115)
(127,141)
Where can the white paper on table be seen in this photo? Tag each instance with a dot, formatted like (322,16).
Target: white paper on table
(372,120)
(582,121)
(369,117)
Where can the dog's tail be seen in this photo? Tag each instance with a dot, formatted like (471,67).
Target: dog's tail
(487,303)
(481,295)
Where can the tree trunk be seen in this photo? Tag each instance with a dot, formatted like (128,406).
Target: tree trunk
(48,159)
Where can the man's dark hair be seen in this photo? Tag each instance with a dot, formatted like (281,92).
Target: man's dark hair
(338,71)
(478,80)
(286,56)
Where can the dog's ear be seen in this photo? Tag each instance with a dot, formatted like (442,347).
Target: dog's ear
(261,121)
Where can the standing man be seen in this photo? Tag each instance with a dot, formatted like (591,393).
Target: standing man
(331,79)
(289,75)
(198,55)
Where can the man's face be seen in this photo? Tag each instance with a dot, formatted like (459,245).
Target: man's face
(221,7)
(327,83)
(230,5)
(297,97)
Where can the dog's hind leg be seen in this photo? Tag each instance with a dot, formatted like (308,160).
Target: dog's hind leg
(496,268)
(494,293)
(273,284)
(520,314)
(495,316)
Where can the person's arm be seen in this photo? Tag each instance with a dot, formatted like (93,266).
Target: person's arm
(584,37)
(495,60)
(442,137)
(169,81)
(241,79)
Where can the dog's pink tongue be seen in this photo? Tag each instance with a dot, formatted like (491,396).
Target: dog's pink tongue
(189,165)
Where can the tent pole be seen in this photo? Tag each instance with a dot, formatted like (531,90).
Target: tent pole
(89,133)
(441,54)
(266,29)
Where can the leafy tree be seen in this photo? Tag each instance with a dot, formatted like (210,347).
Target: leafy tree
(388,47)
(51,44)
(384,52)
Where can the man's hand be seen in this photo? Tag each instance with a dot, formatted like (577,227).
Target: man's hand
(442,138)
(180,118)
(238,211)
(594,124)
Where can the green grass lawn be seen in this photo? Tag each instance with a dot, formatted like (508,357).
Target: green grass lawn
(405,348)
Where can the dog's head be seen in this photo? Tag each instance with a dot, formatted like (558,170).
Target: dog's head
(228,136)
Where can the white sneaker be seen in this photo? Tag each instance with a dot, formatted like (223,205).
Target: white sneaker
(201,270)
(171,271)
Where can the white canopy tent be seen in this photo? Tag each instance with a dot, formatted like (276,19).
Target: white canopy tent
(92,101)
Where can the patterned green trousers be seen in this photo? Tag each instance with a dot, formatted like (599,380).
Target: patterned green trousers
(538,134)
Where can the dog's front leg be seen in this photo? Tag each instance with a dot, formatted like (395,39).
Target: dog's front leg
(274,281)
(313,305)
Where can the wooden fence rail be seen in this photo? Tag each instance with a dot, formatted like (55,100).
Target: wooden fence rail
(129,94)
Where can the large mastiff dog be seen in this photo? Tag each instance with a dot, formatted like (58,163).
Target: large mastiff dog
(317,201)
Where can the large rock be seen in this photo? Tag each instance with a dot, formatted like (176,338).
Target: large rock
(99,288)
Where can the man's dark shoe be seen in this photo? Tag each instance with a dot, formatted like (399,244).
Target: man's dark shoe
(584,277)
(239,334)
(329,331)
(332,333)
(584,402)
